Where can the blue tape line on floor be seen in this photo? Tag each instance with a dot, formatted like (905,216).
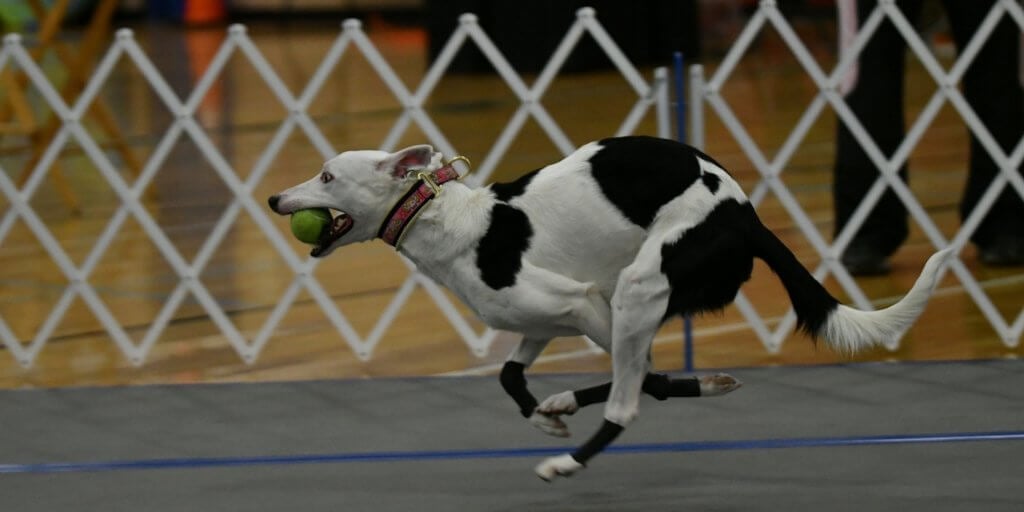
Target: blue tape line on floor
(409,456)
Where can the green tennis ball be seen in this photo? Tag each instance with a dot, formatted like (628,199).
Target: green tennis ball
(307,225)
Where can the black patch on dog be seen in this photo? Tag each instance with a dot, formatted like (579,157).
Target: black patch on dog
(499,254)
(711,181)
(504,192)
(709,263)
(640,174)
(811,301)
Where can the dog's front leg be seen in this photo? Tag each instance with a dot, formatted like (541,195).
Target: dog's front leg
(514,382)
(640,298)
(629,368)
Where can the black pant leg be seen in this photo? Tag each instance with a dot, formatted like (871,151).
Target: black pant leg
(877,100)
(992,87)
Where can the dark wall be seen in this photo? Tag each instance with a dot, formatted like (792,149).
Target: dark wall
(528,31)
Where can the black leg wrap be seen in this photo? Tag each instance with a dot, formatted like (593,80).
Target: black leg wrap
(661,386)
(684,387)
(598,442)
(515,385)
(657,385)
(593,395)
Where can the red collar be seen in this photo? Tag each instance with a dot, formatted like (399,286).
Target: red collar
(405,211)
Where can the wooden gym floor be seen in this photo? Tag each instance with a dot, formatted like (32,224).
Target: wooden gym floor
(768,92)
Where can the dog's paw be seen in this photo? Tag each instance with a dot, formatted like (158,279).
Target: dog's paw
(562,465)
(551,425)
(718,384)
(559,403)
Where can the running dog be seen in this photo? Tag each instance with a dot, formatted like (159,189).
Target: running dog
(610,242)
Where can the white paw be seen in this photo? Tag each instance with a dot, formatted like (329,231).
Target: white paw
(550,425)
(718,384)
(562,465)
(559,403)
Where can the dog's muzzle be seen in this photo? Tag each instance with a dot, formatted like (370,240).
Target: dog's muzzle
(341,224)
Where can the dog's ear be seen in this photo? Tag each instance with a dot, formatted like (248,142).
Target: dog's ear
(404,161)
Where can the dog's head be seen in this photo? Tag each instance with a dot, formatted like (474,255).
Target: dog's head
(359,187)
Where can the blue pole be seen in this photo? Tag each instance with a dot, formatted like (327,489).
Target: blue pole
(677,59)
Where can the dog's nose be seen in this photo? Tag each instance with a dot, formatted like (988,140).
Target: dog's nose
(274,199)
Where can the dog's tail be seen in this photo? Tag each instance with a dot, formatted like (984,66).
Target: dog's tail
(843,328)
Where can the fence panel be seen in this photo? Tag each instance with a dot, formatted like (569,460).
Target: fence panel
(238,44)
(706,93)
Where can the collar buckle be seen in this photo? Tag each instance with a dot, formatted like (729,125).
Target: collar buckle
(428,178)
(405,212)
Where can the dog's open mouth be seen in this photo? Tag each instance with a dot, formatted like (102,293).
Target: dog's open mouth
(341,224)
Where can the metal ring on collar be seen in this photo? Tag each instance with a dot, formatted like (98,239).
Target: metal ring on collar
(461,158)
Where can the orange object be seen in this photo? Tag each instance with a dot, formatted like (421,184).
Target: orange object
(198,12)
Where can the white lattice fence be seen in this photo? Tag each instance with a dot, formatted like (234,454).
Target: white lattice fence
(653,94)
(706,92)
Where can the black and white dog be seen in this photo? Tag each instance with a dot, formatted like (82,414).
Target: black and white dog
(609,242)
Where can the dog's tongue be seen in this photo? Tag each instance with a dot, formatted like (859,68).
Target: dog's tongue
(341,224)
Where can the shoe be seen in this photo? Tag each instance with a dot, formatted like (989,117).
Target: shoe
(864,260)
(1004,251)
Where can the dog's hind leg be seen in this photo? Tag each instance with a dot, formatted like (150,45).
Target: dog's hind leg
(593,315)
(659,386)
(514,382)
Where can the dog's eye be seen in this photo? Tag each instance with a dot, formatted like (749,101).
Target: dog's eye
(326,177)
